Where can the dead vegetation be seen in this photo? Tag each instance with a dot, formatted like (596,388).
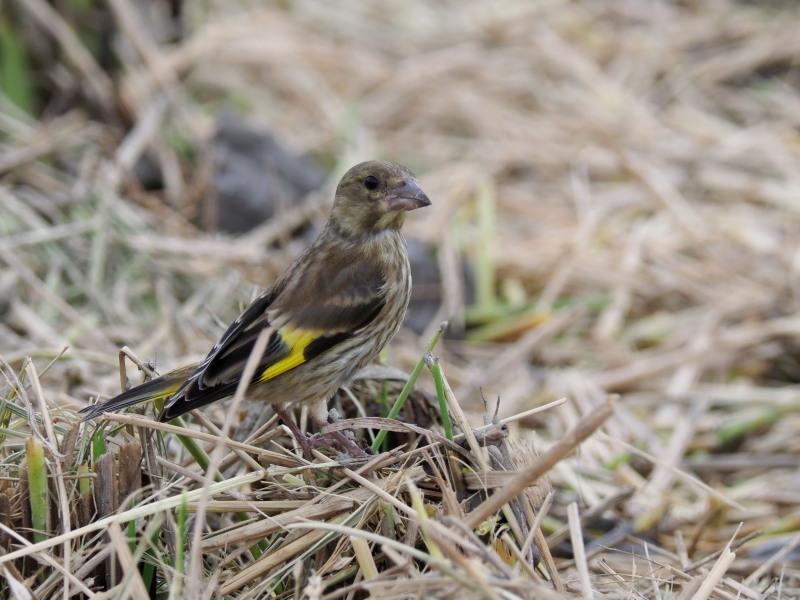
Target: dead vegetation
(622,178)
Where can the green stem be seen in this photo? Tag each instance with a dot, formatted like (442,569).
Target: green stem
(406,391)
(202,459)
(432,361)
(37,485)
(181,549)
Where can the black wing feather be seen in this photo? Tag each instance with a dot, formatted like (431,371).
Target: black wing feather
(353,296)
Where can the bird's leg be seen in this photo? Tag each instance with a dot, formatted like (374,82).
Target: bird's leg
(302,438)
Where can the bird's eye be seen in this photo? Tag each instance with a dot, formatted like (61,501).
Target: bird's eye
(370,182)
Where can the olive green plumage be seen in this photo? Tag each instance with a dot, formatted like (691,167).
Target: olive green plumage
(327,315)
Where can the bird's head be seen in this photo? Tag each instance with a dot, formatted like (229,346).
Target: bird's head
(374,196)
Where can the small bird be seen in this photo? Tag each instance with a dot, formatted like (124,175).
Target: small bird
(327,316)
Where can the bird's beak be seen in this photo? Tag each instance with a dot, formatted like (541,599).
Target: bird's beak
(407,195)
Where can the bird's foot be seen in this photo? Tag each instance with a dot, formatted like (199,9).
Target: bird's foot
(336,439)
(339,440)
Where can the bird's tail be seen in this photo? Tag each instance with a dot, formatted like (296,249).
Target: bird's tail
(161,388)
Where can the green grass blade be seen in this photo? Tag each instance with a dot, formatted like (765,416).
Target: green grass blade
(37,484)
(432,361)
(406,391)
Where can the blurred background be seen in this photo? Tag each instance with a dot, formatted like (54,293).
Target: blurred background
(616,207)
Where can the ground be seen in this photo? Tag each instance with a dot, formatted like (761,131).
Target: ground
(615,215)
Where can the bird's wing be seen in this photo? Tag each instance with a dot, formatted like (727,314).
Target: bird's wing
(314,307)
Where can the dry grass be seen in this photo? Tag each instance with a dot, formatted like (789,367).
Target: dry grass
(624,177)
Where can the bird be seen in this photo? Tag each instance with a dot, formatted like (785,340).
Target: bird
(326,316)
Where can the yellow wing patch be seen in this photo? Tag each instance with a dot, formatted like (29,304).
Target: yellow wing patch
(297,341)
(165,393)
